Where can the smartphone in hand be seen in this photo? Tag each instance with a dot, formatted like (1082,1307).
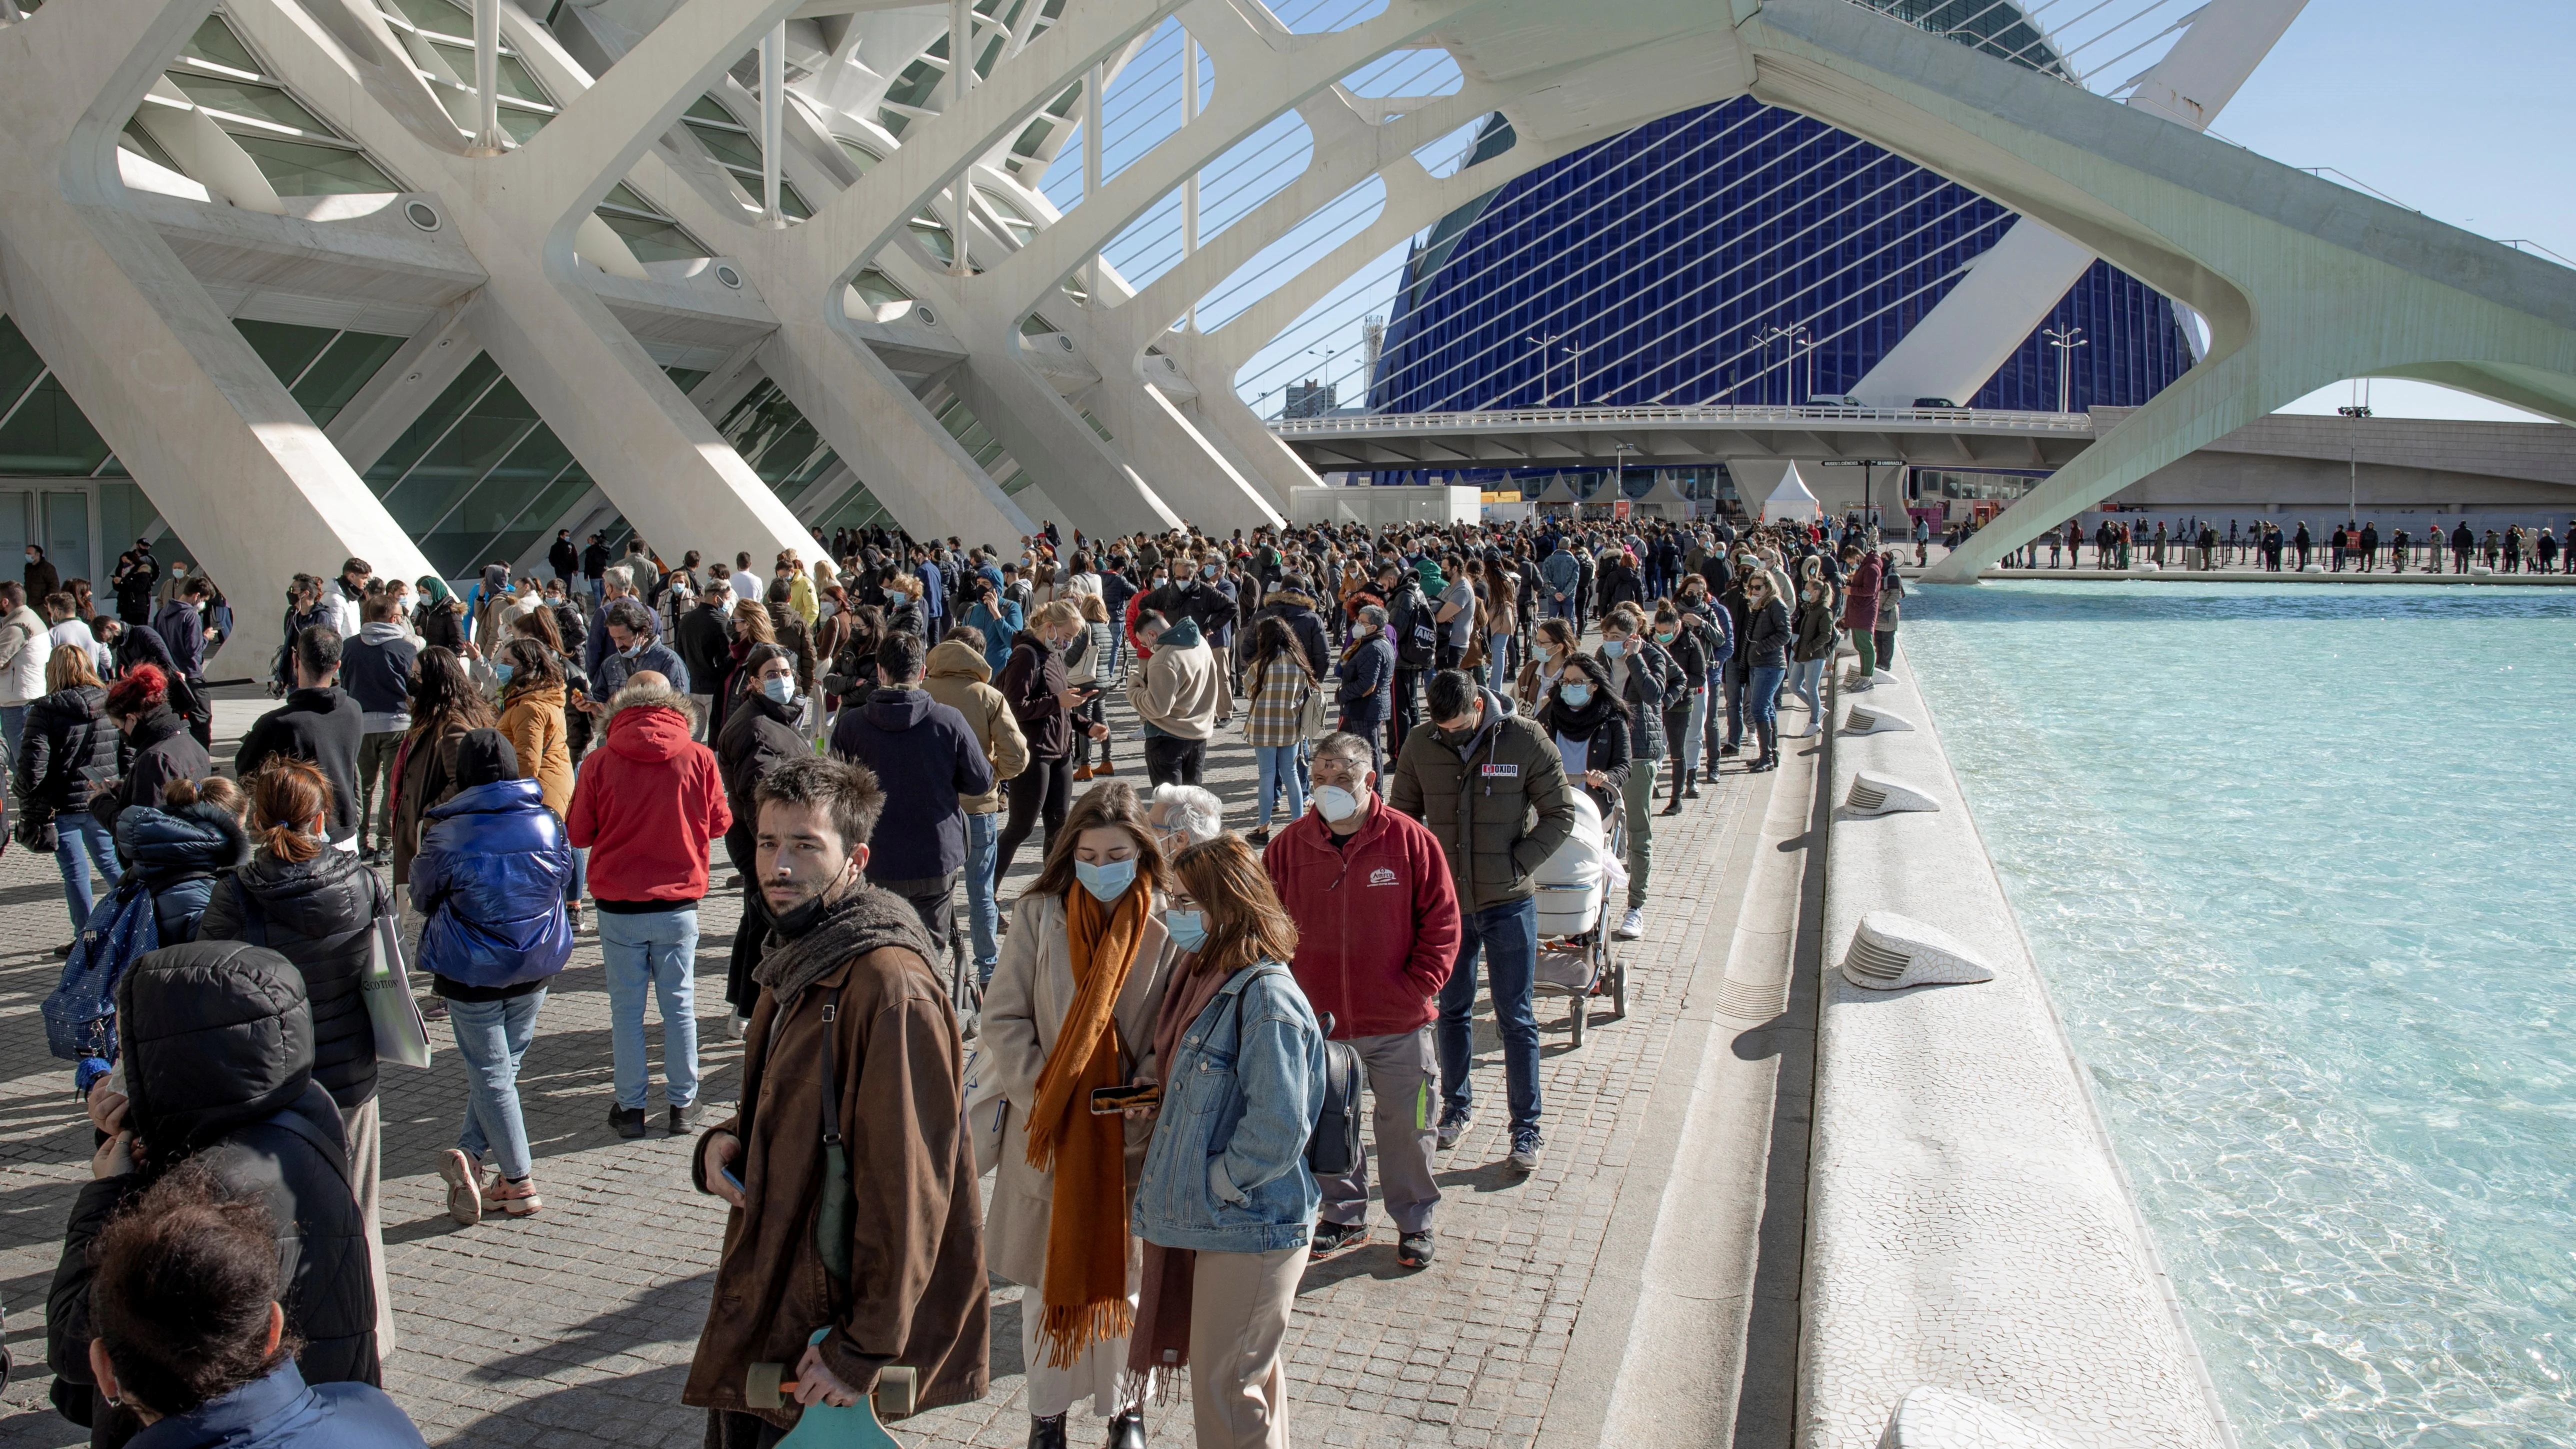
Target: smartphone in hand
(1110,1101)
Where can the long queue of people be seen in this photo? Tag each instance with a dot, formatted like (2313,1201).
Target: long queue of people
(1161,1023)
(2197,543)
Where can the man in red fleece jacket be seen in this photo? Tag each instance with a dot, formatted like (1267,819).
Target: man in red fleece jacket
(648,803)
(1377,934)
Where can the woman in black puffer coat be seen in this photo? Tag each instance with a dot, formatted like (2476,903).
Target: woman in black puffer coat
(184,848)
(70,749)
(237,1101)
(759,735)
(318,908)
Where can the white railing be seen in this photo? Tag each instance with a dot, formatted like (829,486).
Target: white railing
(1970,419)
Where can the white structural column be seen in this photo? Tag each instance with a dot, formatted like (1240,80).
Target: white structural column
(773,122)
(229,459)
(2018,281)
(961,79)
(488,137)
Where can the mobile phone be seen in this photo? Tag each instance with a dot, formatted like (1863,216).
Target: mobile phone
(1110,1101)
(731,1181)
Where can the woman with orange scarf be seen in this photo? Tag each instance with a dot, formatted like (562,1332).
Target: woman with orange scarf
(1071,1010)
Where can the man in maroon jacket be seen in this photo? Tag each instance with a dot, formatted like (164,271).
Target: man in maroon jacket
(1377,934)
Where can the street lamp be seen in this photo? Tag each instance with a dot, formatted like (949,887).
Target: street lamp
(2065,342)
(1542,344)
(1576,352)
(1795,334)
(2352,505)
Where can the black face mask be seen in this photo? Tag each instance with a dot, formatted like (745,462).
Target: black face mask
(802,917)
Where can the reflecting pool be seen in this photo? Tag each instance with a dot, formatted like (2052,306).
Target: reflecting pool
(2296,863)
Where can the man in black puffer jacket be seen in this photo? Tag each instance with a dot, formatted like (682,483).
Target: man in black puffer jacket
(319,722)
(237,1100)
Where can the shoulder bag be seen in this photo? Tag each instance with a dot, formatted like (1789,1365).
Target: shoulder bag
(402,1034)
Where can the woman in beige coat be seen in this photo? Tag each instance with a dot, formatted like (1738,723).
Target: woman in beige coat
(1086,959)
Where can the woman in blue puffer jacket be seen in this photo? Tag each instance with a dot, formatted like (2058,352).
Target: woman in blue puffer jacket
(489,881)
(1226,1205)
(182,848)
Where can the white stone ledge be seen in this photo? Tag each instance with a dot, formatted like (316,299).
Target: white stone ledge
(1970,1228)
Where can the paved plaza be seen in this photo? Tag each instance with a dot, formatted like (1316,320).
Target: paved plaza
(575,1328)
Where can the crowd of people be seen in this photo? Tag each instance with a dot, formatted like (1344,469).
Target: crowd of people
(1139,1045)
(2263,545)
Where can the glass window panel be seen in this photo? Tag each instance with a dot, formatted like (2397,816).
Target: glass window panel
(1033,137)
(860,156)
(653,241)
(733,148)
(49,438)
(878,289)
(934,237)
(516,81)
(450,469)
(857,508)
(112,468)
(296,169)
(622,195)
(19,364)
(122,513)
(460,395)
(707,109)
(437,15)
(918,83)
(285,347)
(686,379)
(520,125)
(245,98)
(894,121)
(67,533)
(215,42)
(14,533)
(139,141)
(792,201)
(543,510)
(351,364)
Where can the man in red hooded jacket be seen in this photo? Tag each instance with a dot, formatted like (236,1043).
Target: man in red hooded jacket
(647,805)
(1377,934)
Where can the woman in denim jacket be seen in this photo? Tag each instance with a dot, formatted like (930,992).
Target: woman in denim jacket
(1227,1204)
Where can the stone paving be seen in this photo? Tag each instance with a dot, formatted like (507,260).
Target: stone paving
(575,1328)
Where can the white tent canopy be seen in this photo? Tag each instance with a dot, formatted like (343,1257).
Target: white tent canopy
(1791,500)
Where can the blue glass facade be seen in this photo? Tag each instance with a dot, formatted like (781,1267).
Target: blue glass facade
(1670,255)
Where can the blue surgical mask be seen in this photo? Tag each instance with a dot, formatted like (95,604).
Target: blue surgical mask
(1613,648)
(503,672)
(1188,929)
(1106,882)
(1576,696)
(781,689)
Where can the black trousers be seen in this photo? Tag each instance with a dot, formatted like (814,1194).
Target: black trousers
(741,991)
(1042,791)
(1173,761)
(1406,714)
(935,901)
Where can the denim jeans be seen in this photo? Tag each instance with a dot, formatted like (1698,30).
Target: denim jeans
(1498,666)
(492,1036)
(1278,765)
(1506,936)
(1762,700)
(659,950)
(983,912)
(82,844)
(1804,677)
(1737,672)
(1688,745)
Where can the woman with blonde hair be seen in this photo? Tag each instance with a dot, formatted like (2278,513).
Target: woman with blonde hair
(1071,1010)
(69,750)
(1227,1204)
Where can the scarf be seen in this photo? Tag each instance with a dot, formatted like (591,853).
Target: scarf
(1160,1347)
(1085,1292)
(861,921)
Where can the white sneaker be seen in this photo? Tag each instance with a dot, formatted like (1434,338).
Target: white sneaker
(735,1026)
(1631,925)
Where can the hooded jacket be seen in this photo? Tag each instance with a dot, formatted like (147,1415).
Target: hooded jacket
(490,877)
(160,750)
(24,644)
(705,641)
(219,1071)
(916,1225)
(376,669)
(1377,920)
(533,721)
(70,749)
(647,804)
(1032,679)
(182,853)
(928,761)
(1176,690)
(1607,738)
(1366,671)
(1297,611)
(759,735)
(957,676)
(319,914)
(324,726)
(1497,802)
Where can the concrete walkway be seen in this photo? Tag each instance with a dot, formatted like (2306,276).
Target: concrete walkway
(1676,1159)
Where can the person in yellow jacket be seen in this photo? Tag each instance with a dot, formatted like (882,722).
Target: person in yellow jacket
(957,676)
(532,720)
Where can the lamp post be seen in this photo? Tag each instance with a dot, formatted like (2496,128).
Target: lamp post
(1544,361)
(1576,352)
(2065,342)
(2352,504)
(1795,334)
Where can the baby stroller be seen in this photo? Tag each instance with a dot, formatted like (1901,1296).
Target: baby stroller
(1576,888)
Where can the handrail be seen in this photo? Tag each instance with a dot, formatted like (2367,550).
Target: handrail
(1979,419)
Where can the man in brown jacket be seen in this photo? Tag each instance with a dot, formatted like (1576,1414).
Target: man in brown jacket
(960,679)
(847,998)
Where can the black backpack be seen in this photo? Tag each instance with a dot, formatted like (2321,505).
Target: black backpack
(1417,630)
(1333,1142)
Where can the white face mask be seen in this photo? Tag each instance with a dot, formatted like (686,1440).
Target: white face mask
(1335,803)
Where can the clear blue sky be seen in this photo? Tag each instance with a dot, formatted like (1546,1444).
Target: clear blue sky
(2461,111)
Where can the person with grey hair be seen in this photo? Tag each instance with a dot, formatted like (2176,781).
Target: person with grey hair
(617,583)
(1365,676)
(1184,815)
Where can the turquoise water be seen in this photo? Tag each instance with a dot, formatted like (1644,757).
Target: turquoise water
(2295,862)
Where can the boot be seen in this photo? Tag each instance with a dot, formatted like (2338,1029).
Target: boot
(1106,769)
(1081,774)
(1127,1430)
(1673,796)
(1690,784)
(1046,1433)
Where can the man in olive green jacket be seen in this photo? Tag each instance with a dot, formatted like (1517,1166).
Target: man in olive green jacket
(959,678)
(1491,786)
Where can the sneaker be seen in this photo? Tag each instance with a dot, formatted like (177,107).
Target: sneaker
(1413,1250)
(1527,1150)
(518,1199)
(1260,837)
(1631,925)
(463,1176)
(629,1121)
(685,1120)
(1453,1125)
(1331,1238)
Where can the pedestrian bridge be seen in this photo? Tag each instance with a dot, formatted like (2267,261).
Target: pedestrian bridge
(1964,438)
